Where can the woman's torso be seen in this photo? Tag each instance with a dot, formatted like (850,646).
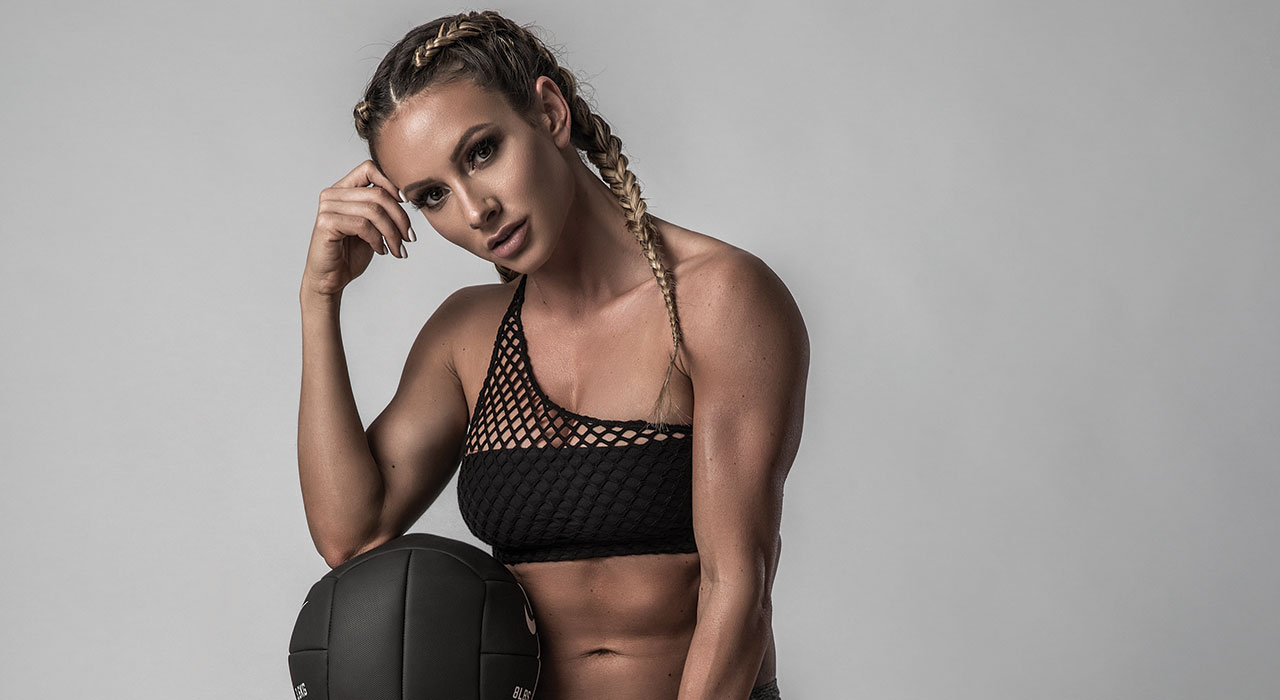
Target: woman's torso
(620,626)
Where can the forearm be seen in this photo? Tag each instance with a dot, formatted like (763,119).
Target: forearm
(342,487)
(728,644)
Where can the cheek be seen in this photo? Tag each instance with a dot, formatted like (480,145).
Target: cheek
(550,183)
(533,171)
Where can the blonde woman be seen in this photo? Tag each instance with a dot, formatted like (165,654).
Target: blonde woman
(622,449)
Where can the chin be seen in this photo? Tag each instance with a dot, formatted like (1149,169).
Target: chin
(526,261)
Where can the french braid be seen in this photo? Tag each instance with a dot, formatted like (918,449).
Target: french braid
(495,53)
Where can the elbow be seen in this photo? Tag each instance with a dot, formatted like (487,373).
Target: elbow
(331,545)
(746,583)
(336,541)
(336,556)
(746,592)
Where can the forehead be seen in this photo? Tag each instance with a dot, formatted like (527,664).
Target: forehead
(418,139)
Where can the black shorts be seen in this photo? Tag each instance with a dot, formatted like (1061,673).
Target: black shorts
(768,691)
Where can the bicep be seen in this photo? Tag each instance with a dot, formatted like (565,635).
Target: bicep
(417,439)
(748,352)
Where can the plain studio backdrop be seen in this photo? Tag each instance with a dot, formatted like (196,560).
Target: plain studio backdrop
(1035,245)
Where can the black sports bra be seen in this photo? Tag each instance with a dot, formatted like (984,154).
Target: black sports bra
(538,482)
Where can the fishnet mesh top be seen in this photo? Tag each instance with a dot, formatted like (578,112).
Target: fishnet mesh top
(538,482)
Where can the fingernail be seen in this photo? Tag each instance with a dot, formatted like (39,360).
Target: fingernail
(404,252)
(412,236)
(401,195)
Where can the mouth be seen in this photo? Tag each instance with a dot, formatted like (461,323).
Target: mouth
(504,233)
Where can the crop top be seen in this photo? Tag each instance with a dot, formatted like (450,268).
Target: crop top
(538,482)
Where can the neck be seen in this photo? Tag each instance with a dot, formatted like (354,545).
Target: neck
(597,259)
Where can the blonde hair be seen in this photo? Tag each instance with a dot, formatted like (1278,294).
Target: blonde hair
(496,54)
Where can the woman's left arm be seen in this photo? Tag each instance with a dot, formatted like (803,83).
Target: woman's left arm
(747,352)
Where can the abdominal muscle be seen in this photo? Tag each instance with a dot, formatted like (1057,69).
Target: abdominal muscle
(615,627)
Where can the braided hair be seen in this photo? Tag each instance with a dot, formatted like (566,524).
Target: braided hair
(496,54)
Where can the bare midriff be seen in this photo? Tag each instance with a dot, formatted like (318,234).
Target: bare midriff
(616,627)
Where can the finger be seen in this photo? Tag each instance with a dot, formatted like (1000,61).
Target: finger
(394,214)
(377,178)
(353,225)
(366,174)
(358,177)
(364,204)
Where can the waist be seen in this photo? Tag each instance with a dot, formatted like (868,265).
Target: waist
(617,627)
(639,605)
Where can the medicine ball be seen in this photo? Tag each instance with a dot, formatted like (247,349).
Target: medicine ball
(421,617)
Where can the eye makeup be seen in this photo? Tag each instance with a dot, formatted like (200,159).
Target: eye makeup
(489,142)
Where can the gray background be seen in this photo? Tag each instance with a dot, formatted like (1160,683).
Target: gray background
(1035,246)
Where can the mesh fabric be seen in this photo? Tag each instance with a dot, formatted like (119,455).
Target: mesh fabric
(538,482)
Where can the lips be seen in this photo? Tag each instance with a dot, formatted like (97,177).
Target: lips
(502,234)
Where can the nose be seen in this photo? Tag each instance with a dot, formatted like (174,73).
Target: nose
(480,208)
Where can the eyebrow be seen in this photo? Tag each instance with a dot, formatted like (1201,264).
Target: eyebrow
(457,150)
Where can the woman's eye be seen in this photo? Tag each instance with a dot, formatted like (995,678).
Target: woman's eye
(481,152)
(426,200)
(485,147)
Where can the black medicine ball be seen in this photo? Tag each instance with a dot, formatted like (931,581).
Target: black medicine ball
(421,617)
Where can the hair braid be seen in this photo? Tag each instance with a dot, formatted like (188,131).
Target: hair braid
(497,54)
(450,33)
(363,113)
(605,152)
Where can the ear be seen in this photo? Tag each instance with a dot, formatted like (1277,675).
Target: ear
(553,112)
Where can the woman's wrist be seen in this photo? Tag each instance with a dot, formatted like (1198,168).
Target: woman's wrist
(309,300)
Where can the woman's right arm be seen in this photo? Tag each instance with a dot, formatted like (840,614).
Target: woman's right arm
(360,489)
(342,488)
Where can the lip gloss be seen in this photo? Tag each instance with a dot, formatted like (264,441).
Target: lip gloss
(514,242)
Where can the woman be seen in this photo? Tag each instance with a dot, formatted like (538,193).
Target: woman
(648,546)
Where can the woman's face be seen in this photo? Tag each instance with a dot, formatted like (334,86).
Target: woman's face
(473,167)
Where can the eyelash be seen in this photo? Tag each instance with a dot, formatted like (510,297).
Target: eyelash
(488,141)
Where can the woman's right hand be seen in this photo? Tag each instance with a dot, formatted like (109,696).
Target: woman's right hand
(352,223)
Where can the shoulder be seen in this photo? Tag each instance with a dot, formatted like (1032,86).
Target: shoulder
(466,302)
(712,271)
(728,298)
(460,331)
(458,311)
